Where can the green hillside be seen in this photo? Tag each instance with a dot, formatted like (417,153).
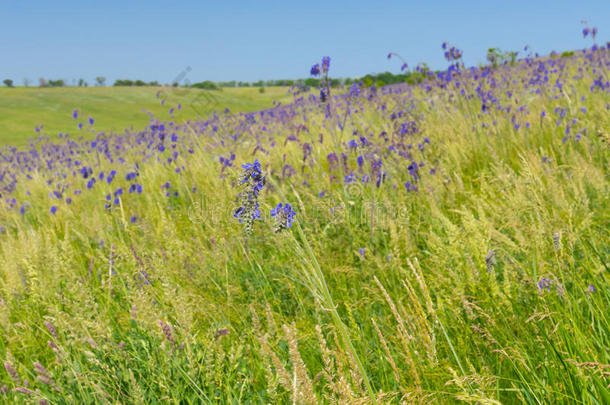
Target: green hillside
(116,108)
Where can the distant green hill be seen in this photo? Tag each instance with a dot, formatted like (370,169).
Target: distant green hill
(115,108)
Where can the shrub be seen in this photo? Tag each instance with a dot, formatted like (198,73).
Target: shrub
(56,83)
(206,85)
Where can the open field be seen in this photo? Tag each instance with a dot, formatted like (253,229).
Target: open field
(115,108)
(450,242)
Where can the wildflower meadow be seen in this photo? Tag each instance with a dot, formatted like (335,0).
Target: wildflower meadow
(440,241)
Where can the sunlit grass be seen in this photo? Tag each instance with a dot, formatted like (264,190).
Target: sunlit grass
(429,296)
(116,108)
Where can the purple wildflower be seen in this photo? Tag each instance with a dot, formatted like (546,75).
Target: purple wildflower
(315,70)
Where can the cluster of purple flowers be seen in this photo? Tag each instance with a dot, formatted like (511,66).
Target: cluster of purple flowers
(393,156)
(325,64)
(545,284)
(354,90)
(284,216)
(315,70)
(586,31)
(252,182)
(322,69)
(452,53)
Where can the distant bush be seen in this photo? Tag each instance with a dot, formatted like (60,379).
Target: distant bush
(8,82)
(206,85)
(334,82)
(100,81)
(138,83)
(55,83)
(385,78)
(311,82)
(123,82)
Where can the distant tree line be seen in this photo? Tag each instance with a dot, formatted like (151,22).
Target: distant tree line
(138,83)
(42,82)
(495,58)
(385,78)
(379,79)
(206,85)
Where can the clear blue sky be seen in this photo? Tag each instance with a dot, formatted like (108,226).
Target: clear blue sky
(251,40)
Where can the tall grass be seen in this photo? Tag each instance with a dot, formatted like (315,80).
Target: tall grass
(447,300)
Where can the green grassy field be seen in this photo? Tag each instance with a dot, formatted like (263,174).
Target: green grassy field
(115,108)
(442,253)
